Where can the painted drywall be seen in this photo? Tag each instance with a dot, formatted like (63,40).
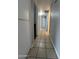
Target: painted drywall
(25,27)
(55,26)
(36,20)
(24,37)
(38,23)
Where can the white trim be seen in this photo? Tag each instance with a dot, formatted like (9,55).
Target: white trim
(55,49)
(56,52)
(22,55)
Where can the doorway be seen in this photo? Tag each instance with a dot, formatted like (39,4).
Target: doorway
(35,26)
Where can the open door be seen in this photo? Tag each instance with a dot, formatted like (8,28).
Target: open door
(35,32)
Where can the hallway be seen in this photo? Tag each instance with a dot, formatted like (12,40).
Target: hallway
(42,49)
(38,29)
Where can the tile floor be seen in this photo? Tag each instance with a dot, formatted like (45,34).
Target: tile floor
(42,49)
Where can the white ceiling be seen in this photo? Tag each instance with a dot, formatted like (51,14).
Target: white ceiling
(43,4)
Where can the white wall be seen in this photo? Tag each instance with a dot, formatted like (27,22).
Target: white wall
(24,37)
(55,26)
(25,27)
(38,22)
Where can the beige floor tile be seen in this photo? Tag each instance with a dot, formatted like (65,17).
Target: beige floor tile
(36,44)
(51,53)
(42,48)
(42,40)
(48,45)
(40,58)
(33,52)
(31,58)
(41,53)
(42,45)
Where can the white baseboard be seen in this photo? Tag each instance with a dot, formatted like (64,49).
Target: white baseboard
(55,49)
(20,56)
(23,55)
(56,52)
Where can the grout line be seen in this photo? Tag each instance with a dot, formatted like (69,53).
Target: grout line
(37,54)
(46,49)
(42,47)
(37,51)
